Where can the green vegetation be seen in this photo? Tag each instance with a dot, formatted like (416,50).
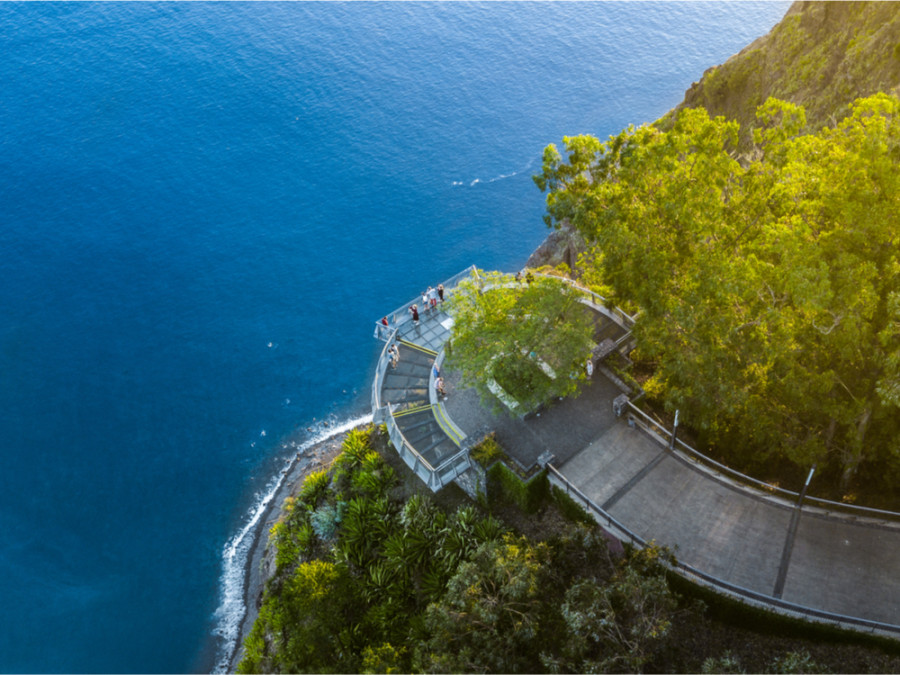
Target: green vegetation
(822,55)
(407,586)
(356,569)
(528,494)
(383,584)
(507,482)
(769,291)
(530,338)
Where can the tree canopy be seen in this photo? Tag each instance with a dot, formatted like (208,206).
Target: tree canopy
(533,337)
(769,289)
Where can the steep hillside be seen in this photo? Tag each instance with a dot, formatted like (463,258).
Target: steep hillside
(822,55)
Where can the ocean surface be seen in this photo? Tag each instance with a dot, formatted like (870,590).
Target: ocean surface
(203,210)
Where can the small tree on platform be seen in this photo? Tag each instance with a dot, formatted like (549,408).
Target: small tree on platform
(531,337)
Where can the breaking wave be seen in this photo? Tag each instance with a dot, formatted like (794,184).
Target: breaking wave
(235,555)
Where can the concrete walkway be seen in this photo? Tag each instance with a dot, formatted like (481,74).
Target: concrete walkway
(832,562)
(837,563)
(827,561)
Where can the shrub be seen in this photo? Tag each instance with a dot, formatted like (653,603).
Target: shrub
(326,518)
(314,487)
(487,452)
(570,509)
(726,663)
(528,495)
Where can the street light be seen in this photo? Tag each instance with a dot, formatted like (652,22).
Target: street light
(674,432)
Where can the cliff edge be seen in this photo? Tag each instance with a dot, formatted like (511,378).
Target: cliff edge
(821,55)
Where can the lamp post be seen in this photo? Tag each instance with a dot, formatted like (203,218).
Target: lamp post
(674,433)
(806,485)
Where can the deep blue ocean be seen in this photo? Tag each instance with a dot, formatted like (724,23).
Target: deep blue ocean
(203,210)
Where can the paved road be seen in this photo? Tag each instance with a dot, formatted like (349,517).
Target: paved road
(833,562)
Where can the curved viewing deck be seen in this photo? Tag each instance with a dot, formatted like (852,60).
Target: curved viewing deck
(760,543)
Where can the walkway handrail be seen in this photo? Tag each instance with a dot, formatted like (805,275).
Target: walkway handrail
(615,313)
(652,425)
(456,434)
(452,459)
(435,481)
(394,430)
(381,369)
(623,533)
(401,316)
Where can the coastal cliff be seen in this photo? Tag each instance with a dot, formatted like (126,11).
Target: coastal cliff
(821,55)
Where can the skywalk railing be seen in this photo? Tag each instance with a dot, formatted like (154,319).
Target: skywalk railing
(434,477)
(599,303)
(380,369)
(401,315)
(625,534)
(648,423)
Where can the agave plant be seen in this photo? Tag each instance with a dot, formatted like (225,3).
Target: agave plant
(488,529)
(315,485)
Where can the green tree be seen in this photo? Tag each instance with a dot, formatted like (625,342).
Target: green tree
(304,628)
(489,617)
(767,289)
(617,625)
(531,338)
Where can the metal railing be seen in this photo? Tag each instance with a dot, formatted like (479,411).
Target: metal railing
(434,477)
(615,313)
(739,592)
(380,370)
(651,425)
(457,435)
(401,315)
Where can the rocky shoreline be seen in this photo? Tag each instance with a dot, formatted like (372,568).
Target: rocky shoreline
(560,246)
(259,565)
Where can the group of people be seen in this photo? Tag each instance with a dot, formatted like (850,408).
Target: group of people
(528,278)
(430,300)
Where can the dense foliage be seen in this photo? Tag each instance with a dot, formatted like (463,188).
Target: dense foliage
(367,582)
(371,581)
(769,290)
(531,337)
(821,55)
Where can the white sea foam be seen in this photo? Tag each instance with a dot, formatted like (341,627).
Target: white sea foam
(231,611)
(502,176)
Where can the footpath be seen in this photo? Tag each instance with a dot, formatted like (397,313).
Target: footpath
(808,556)
(757,544)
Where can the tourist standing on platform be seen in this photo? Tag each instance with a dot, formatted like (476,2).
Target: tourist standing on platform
(415,313)
(394,353)
(439,387)
(432,297)
(441,292)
